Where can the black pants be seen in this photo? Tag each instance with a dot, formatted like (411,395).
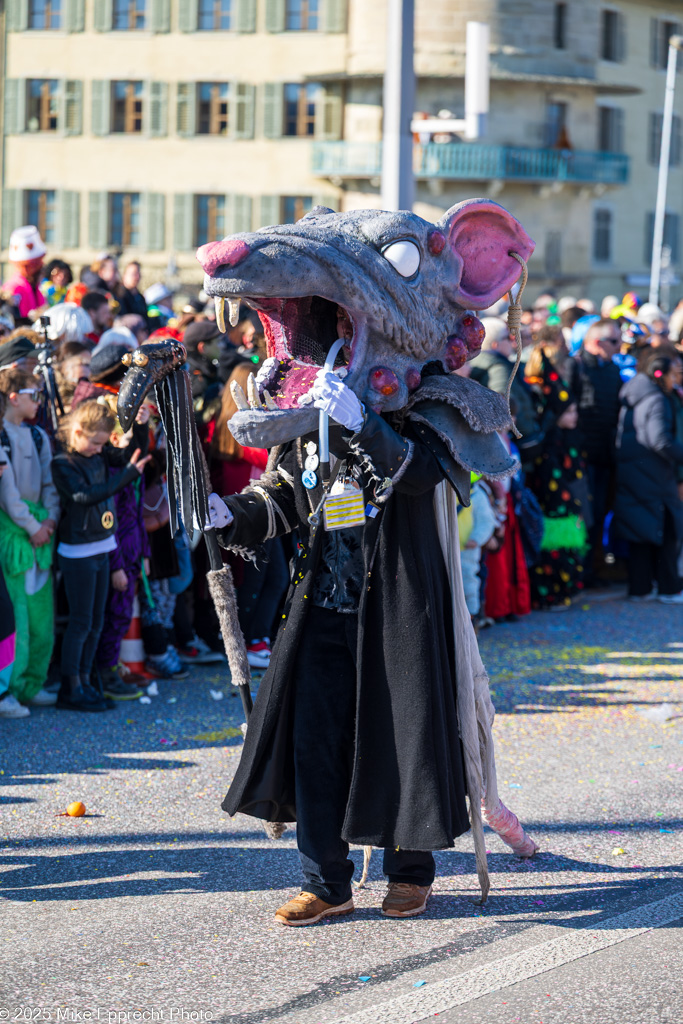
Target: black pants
(86,582)
(598,484)
(261,591)
(324,724)
(648,562)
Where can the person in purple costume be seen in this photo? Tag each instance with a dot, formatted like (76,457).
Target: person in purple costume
(125,565)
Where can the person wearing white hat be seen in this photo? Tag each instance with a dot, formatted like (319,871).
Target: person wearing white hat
(68,322)
(26,253)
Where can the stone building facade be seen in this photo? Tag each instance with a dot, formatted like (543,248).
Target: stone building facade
(150,126)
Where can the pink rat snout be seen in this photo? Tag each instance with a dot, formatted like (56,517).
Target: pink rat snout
(227,253)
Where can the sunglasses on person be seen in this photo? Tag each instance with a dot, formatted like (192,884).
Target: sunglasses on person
(34,393)
(611,339)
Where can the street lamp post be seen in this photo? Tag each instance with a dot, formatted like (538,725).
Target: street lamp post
(675,44)
(399,100)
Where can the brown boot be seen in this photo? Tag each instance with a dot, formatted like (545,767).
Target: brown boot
(405,900)
(309,909)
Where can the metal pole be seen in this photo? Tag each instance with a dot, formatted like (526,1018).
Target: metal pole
(675,43)
(399,102)
(476,79)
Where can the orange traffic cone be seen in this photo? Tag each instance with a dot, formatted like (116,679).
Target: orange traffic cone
(132,650)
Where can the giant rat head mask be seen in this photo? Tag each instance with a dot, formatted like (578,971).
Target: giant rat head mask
(399,290)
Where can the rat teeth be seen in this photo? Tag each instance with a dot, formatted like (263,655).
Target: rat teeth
(239,396)
(270,402)
(233,311)
(252,392)
(220,313)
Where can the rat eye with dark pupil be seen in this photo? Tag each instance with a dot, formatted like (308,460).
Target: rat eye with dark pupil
(404,257)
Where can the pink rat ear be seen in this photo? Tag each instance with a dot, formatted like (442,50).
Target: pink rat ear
(481,234)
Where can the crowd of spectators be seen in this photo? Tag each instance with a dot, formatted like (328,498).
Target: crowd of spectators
(85,541)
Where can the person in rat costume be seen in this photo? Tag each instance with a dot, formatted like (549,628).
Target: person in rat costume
(372,724)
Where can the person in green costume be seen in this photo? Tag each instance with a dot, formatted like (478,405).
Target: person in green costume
(29,512)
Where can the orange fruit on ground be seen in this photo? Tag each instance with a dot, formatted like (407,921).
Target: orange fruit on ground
(76,809)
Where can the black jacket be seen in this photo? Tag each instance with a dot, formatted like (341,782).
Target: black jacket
(596,384)
(87,488)
(132,301)
(407,786)
(647,457)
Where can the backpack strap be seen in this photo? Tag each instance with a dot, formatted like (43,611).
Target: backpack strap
(5,442)
(37,436)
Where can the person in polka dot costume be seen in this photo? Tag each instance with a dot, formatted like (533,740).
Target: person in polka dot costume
(559,481)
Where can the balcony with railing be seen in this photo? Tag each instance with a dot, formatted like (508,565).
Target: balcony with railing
(466,161)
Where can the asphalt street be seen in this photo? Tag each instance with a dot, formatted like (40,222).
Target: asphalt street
(157,904)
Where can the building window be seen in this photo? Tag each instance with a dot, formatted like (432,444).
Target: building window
(294,208)
(602,236)
(672,229)
(660,34)
(214,15)
(209,218)
(560,27)
(45,14)
(553,253)
(126,106)
(128,15)
(300,104)
(212,108)
(654,140)
(612,41)
(42,104)
(301,15)
(40,210)
(124,219)
(610,129)
(556,125)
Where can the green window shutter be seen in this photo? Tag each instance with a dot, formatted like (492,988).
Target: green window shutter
(98,210)
(17,15)
(15,106)
(104,15)
(153,221)
(188,15)
(241,120)
(330,201)
(12,212)
(68,219)
(157,113)
(273,109)
(333,16)
(101,107)
(275,15)
(183,222)
(187,108)
(160,15)
(328,114)
(74,15)
(245,20)
(238,214)
(72,108)
(269,211)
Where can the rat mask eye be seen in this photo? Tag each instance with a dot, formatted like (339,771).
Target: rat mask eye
(404,257)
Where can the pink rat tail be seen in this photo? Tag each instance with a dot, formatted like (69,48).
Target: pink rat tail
(507,826)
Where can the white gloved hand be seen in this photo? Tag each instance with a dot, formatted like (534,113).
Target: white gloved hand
(338,401)
(219,513)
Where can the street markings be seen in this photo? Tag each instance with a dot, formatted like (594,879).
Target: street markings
(529,963)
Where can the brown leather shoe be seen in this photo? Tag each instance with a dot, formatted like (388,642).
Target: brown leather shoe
(309,909)
(405,900)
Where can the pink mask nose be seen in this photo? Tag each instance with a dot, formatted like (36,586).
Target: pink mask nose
(222,254)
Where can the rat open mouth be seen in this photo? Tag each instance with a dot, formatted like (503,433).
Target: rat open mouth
(299,334)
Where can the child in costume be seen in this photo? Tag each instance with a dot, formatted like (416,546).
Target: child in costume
(125,567)
(29,512)
(87,536)
(481,526)
(559,481)
(9,705)
(26,253)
